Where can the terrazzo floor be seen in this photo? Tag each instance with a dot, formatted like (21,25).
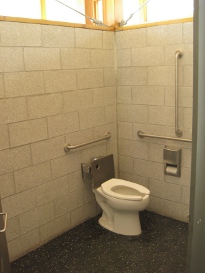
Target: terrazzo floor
(89,248)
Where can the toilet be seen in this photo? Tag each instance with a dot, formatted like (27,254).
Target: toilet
(120,200)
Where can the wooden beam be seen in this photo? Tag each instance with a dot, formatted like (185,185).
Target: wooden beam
(109,12)
(118,11)
(54,23)
(89,11)
(58,23)
(43,9)
(95,9)
(153,24)
(143,11)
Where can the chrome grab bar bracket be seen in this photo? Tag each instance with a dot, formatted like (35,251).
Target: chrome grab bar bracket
(140,134)
(66,147)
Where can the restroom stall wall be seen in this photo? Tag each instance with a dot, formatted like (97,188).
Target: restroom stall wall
(196,238)
(146,101)
(57,86)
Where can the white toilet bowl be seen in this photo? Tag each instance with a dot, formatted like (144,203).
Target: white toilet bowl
(121,202)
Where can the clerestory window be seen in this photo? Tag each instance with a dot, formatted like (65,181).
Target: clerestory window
(156,10)
(110,12)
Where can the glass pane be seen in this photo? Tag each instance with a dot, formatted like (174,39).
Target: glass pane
(129,7)
(58,12)
(100,11)
(157,10)
(162,10)
(21,8)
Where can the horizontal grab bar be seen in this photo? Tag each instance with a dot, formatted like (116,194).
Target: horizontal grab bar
(141,134)
(69,147)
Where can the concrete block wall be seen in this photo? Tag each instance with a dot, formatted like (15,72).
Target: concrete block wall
(145,101)
(57,86)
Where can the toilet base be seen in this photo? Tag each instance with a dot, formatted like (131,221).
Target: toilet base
(125,223)
(107,225)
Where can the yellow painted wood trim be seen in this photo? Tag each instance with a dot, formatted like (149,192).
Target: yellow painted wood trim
(43,9)
(56,23)
(109,12)
(143,11)
(66,24)
(38,21)
(95,9)
(161,23)
(118,10)
(89,11)
(99,27)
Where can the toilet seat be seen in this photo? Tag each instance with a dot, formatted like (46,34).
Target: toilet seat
(114,188)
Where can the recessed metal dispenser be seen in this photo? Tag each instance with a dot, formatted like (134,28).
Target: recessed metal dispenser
(172,161)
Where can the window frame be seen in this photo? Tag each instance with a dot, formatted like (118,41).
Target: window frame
(43,9)
(112,15)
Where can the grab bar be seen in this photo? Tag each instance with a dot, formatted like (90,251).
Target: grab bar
(141,134)
(5,221)
(178,54)
(69,147)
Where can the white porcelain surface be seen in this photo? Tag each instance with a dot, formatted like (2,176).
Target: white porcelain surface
(122,189)
(121,202)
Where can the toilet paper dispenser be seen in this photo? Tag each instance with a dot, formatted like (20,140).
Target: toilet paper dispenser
(172,161)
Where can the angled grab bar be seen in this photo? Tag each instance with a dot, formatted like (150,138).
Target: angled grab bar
(141,134)
(178,54)
(5,221)
(69,147)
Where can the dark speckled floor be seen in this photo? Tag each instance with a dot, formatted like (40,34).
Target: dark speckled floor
(88,248)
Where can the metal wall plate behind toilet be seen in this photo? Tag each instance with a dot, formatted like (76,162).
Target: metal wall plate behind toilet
(102,170)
